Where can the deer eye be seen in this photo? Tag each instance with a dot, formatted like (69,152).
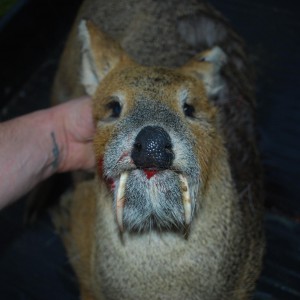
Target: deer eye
(115,108)
(188,110)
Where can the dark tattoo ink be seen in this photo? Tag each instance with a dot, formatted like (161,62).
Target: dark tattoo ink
(55,152)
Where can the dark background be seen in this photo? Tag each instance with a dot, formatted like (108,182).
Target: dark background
(33,264)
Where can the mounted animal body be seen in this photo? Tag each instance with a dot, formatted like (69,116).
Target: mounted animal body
(175,208)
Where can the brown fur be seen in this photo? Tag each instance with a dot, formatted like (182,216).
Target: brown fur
(221,257)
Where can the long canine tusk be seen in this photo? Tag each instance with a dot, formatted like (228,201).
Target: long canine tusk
(186,199)
(121,200)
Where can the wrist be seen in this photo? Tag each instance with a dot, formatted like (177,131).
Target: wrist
(58,149)
(48,139)
(48,143)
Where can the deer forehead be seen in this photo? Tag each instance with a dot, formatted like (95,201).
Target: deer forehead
(133,83)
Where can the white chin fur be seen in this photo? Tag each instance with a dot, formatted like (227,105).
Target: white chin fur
(121,200)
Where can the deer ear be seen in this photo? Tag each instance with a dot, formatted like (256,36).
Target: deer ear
(99,55)
(207,66)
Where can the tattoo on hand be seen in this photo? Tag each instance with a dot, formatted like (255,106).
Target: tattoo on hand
(55,152)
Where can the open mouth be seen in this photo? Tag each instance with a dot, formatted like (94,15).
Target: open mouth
(155,176)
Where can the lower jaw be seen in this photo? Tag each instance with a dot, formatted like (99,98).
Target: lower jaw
(161,202)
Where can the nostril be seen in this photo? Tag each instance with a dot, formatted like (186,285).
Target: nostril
(138,147)
(168,146)
(169,149)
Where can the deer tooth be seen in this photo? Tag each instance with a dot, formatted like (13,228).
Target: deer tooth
(186,199)
(121,200)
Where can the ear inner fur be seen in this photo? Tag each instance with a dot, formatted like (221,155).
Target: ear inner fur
(206,66)
(100,54)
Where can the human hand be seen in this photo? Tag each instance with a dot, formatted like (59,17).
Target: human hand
(72,138)
(36,145)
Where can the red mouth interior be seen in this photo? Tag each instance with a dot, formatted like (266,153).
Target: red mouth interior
(150,173)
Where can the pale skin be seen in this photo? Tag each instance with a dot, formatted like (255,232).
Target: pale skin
(35,146)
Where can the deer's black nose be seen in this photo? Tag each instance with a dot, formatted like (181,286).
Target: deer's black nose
(152,149)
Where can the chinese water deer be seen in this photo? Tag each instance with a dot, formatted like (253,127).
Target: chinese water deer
(175,208)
